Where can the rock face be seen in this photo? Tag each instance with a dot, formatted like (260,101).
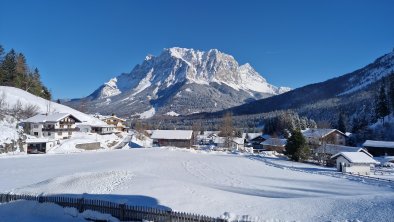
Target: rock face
(180,81)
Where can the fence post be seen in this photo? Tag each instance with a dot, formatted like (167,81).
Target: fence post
(80,205)
(40,199)
(122,211)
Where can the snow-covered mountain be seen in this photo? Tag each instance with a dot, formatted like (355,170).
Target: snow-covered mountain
(353,94)
(13,95)
(180,81)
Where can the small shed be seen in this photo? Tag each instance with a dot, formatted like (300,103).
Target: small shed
(177,138)
(354,162)
(379,148)
(275,144)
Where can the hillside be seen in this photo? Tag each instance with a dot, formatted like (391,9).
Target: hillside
(12,95)
(353,93)
(179,82)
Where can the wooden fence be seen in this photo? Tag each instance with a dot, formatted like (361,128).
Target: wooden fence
(121,211)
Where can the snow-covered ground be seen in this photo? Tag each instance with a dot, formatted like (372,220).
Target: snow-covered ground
(210,183)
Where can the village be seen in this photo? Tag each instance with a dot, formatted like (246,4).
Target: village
(65,133)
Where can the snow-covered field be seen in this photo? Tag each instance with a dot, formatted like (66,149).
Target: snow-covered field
(209,183)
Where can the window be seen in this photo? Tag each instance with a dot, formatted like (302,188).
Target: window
(35,133)
(49,133)
(35,126)
(59,133)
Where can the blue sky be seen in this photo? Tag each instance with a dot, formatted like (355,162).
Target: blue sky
(78,45)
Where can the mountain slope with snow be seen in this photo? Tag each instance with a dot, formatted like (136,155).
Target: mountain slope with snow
(13,95)
(352,94)
(183,81)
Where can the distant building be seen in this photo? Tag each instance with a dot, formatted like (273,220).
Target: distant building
(97,128)
(379,148)
(117,122)
(55,125)
(275,144)
(326,151)
(177,138)
(255,140)
(354,162)
(317,137)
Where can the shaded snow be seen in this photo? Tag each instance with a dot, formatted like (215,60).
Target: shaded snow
(182,179)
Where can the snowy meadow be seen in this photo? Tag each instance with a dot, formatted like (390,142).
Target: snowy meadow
(216,184)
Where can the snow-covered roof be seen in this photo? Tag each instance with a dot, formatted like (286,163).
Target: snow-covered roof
(51,117)
(275,142)
(251,136)
(238,140)
(356,157)
(319,133)
(334,149)
(172,134)
(375,143)
(113,117)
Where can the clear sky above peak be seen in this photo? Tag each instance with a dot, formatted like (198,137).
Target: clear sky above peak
(78,45)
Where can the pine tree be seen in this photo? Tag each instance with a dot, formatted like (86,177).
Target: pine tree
(382,108)
(342,123)
(296,147)
(9,68)
(391,91)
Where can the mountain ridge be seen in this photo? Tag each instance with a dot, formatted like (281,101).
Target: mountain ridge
(168,82)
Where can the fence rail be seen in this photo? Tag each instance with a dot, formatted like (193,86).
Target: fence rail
(121,211)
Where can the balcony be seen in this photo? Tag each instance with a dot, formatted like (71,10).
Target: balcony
(59,129)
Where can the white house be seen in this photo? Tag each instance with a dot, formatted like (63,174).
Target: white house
(54,125)
(354,162)
(97,128)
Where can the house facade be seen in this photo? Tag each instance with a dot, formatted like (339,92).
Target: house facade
(354,162)
(54,126)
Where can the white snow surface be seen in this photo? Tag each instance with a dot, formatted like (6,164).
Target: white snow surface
(210,183)
(172,113)
(8,130)
(147,114)
(12,95)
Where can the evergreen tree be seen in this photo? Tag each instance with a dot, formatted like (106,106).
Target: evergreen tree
(9,69)
(382,108)
(341,123)
(391,91)
(296,147)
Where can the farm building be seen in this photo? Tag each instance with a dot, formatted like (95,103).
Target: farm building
(255,140)
(354,162)
(275,144)
(326,151)
(379,148)
(177,138)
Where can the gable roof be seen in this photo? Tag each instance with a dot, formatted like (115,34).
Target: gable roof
(51,117)
(375,143)
(356,157)
(113,117)
(319,133)
(275,142)
(172,134)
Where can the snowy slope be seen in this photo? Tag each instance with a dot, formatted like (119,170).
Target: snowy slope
(12,95)
(169,79)
(205,183)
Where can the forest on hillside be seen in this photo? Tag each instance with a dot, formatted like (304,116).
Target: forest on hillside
(15,72)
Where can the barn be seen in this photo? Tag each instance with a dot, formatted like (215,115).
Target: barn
(379,148)
(177,138)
